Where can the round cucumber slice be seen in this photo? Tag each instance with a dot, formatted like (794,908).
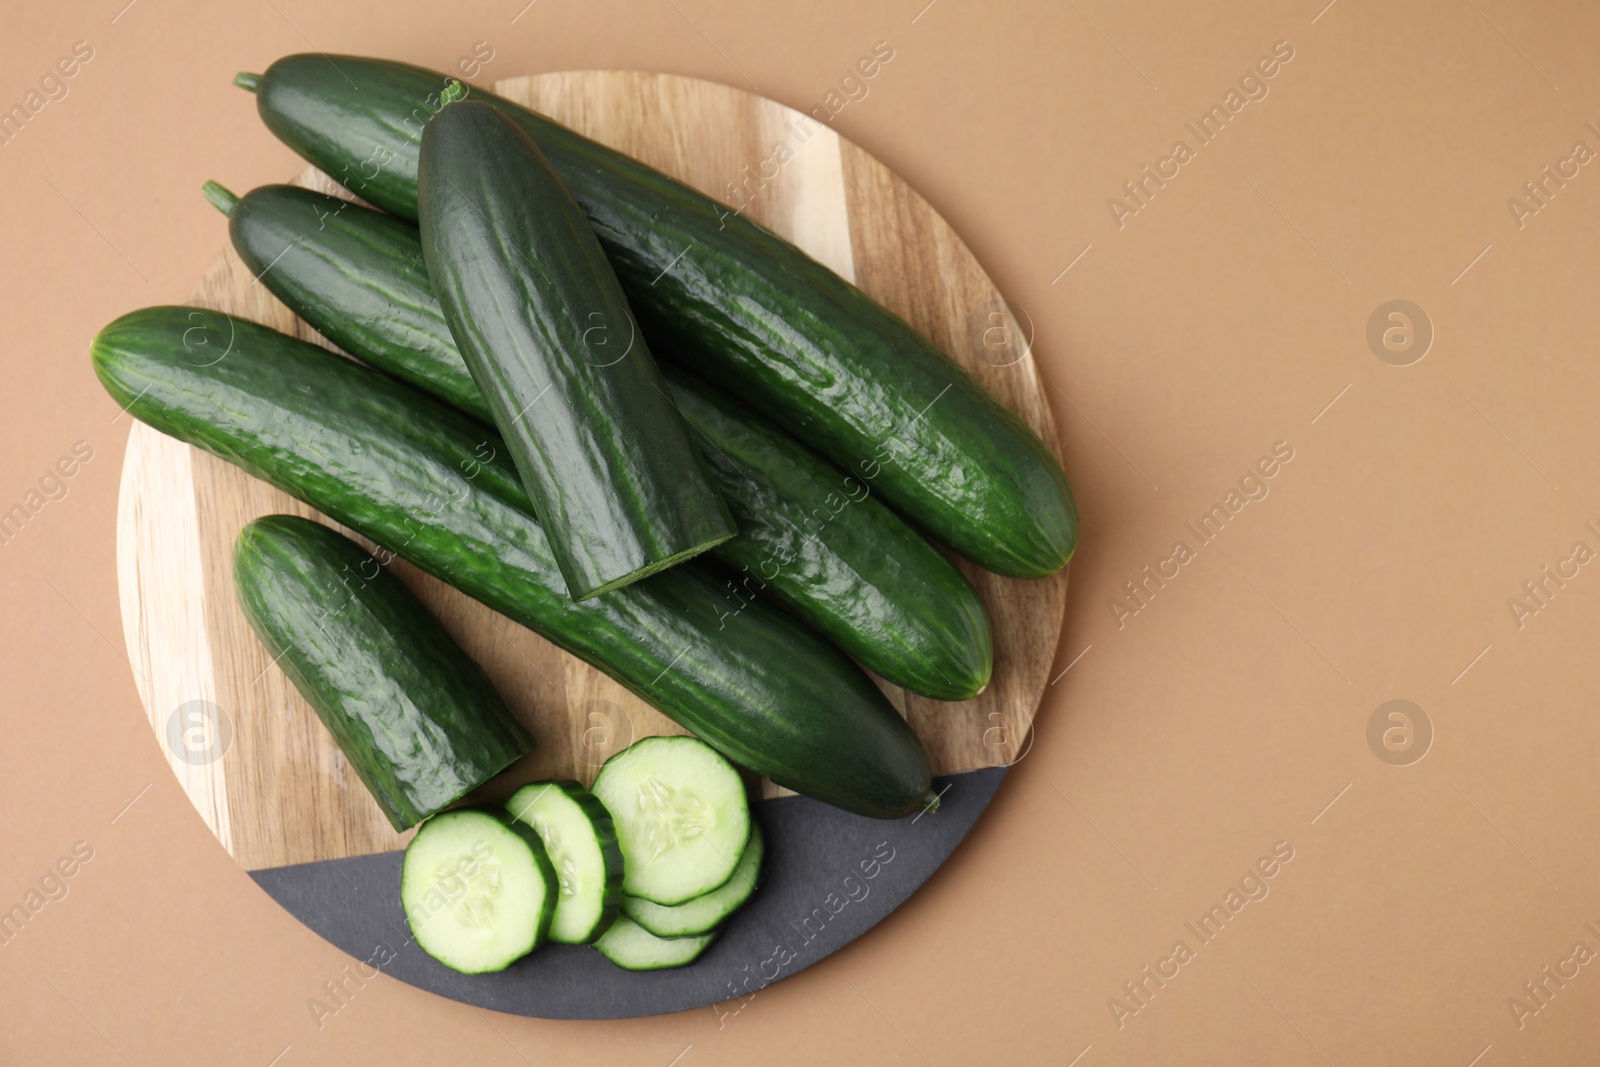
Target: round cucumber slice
(477,889)
(633,948)
(704,913)
(581,841)
(681,815)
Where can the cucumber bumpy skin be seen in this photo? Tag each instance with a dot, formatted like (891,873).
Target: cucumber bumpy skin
(817,540)
(414,715)
(749,310)
(535,309)
(434,485)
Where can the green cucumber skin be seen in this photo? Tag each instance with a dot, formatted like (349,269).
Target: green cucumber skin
(413,714)
(866,580)
(606,832)
(758,316)
(538,315)
(436,486)
(817,540)
(306,246)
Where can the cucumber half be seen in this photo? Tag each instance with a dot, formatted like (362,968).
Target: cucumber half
(633,948)
(705,913)
(477,889)
(581,841)
(681,814)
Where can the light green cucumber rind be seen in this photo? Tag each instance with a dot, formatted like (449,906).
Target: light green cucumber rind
(704,914)
(414,715)
(413,898)
(538,315)
(633,948)
(436,487)
(602,835)
(754,313)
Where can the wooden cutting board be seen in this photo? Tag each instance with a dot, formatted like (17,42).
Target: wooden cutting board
(251,754)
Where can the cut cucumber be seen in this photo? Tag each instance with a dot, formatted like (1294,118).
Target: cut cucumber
(414,715)
(477,889)
(681,814)
(535,308)
(581,840)
(633,948)
(703,914)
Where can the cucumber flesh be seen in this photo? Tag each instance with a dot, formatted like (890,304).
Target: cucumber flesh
(581,840)
(706,913)
(682,817)
(477,889)
(633,948)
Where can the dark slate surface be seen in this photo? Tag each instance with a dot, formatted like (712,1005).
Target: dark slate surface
(830,877)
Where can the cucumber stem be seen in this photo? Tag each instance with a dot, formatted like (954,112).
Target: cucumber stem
(452,92)
(247,81)
(220,198)
(930,803)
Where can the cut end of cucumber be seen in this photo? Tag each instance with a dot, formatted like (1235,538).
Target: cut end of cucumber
(247,81)
(651,568)
(704,914)
(219,197)
(681,815)
(477,890)
(633,948)
(581,841)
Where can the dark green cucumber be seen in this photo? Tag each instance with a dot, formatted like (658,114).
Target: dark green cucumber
(815,538)
(413,714)
(755,314)
(436,487)
(539,317)
(308,247)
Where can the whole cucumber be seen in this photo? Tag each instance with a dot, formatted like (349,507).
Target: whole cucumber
(413,714)
(437,488)
(752,312)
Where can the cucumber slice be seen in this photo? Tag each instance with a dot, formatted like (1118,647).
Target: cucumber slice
(477,889)
(581,841)
(681,814)
(633,948)
(705,913)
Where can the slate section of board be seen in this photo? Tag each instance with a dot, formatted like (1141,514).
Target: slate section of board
(830,877)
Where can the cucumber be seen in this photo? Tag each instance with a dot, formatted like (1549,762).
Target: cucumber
(818,541)
(633,948)
(582,843)
(413,714)
(705,913)
(747,309)
(436,487)
(477,889)
(309,248)
(682,817)
(536,310)
(811,536)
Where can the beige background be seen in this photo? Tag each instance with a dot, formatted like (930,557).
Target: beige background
(1223,317)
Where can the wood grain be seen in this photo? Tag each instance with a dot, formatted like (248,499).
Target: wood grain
(282,792)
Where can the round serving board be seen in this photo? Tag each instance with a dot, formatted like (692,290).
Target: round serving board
(259,766)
